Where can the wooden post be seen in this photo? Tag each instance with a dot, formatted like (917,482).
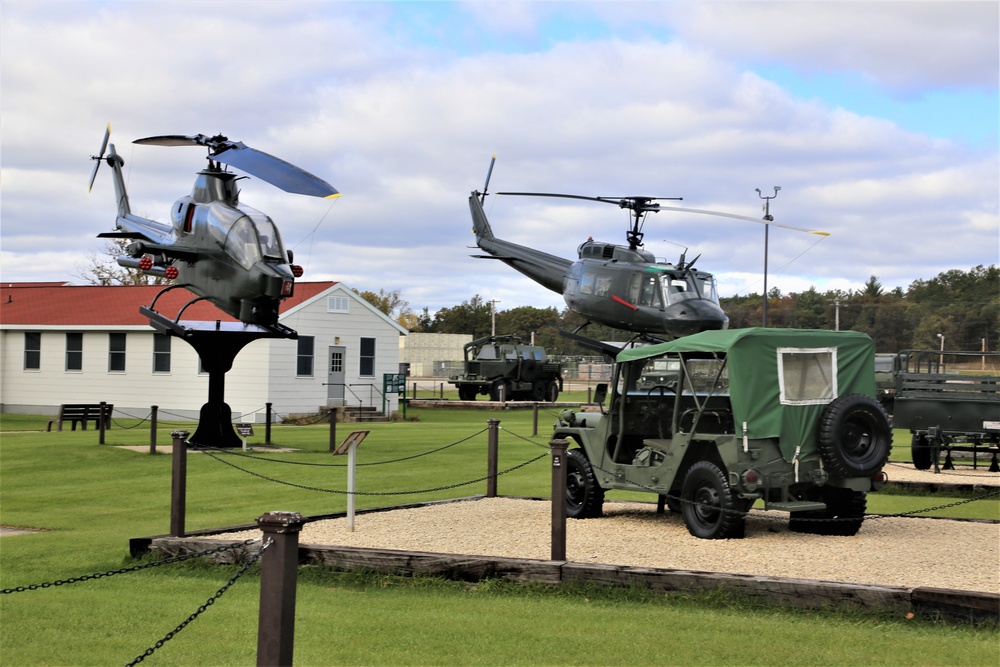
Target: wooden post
(491,457)
(267,422)
(279,571)
(442,391)
(534,424)
(100,422)
(559,498)
(152,428)
(178,483)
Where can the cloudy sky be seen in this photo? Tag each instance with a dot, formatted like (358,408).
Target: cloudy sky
(878,120)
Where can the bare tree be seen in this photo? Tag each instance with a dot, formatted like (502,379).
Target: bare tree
(102,269)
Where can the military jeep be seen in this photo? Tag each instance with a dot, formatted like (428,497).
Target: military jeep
(787,417)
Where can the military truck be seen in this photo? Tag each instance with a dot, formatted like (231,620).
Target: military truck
(787,417)
(506,369)
(950,402)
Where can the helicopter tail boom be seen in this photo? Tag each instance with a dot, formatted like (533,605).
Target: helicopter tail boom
(547,270)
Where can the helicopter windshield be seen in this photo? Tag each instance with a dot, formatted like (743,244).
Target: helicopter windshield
(691,286)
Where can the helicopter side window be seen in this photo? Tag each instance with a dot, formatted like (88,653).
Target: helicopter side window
(587,283)
(602,286)
(680,289)
(270,240)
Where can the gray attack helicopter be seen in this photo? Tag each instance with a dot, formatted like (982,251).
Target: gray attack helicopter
(624,287)
(217,248)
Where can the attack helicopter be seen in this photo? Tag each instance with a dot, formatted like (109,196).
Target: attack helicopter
(624,287)
(217,248)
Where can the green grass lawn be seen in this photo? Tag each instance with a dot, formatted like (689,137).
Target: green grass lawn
(91,499)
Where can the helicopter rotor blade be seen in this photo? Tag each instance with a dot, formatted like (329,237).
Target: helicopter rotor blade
(632,203)
(173,140)
(99,157)
(743,217)
(275,171)
(264,166)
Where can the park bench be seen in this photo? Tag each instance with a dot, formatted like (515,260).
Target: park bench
(82,413)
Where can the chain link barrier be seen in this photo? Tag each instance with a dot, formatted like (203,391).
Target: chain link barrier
(125,570)
(372,493)
(208,603)
(335,465)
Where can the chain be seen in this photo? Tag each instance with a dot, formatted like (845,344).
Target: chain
(375,493)
(208,603)
(334,465)
(125,570)
(536,444)
(938,507)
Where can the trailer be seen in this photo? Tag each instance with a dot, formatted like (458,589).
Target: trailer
(950,402)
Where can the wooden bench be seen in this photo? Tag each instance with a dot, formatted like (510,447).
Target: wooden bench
(82,413)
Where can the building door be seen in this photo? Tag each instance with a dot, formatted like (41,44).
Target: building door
(335,376)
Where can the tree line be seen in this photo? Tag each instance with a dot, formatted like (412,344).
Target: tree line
(963,307)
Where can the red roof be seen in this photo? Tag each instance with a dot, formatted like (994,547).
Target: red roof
(80,305)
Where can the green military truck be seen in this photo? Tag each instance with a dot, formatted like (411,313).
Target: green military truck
(506,369)
(950,402)
(784,416)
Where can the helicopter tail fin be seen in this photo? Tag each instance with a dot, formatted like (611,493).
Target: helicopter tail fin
(480,225)
(115,162)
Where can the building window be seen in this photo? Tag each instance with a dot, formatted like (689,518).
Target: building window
(304,360)
(367,357)
(74,351)
(161,353)
(116,352)
(32,350)
(338,304)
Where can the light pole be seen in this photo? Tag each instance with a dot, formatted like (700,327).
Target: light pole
(493,316)
(768,217)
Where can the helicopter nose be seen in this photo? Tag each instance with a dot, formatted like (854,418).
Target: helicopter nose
(694,315)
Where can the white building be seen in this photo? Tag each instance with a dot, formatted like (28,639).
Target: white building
(85,344)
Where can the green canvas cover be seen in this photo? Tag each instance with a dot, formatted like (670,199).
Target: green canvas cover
(770,404)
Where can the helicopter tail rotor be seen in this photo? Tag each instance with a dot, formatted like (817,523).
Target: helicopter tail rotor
(99,157)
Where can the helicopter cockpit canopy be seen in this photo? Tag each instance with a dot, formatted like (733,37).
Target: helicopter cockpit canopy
(246,234)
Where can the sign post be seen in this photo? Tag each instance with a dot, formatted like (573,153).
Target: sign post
(394,383)
(244,431)
(350,447)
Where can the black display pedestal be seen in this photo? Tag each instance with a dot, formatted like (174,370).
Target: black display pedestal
(217,344)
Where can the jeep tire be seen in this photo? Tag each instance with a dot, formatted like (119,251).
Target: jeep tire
(854,436)
(584,496)
(712,510)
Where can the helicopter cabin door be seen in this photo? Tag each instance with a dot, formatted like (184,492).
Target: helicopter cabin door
(335,376)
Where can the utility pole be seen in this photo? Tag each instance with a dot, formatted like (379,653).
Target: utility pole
(768,217)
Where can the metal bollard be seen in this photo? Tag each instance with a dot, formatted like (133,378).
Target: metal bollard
(279,571)
(267,422)
(492,447)
(178,483)
(104,414)
(152,428)
(559,498)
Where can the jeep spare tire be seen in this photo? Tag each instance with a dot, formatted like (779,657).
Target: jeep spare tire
(854,436)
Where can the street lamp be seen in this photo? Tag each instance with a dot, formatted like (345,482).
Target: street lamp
(768,218)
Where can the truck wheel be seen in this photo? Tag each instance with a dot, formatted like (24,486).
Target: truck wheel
(846,506)
(584,496)
(467,393)
(551,391)
(712,510)
(500,391)
(538,390)
(854,436)
(922,452)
